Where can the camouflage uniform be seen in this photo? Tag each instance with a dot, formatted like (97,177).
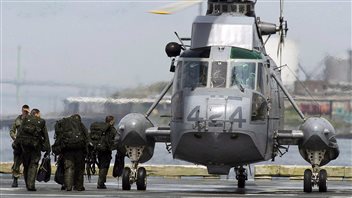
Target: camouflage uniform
(31,150)
(74,160)
(104,158)
(17,161)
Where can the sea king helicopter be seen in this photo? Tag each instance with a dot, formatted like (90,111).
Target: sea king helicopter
(227,105)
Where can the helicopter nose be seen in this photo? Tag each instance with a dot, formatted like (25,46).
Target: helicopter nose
(228,110)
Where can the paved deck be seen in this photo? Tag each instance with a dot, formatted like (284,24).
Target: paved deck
(182,187)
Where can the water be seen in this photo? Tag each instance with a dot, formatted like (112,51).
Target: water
(161,155)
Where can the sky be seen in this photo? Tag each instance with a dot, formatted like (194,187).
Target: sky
(120,44)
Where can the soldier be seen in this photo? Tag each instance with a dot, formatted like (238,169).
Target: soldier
(73,136)
(17,161)
(103,135)
(32,138)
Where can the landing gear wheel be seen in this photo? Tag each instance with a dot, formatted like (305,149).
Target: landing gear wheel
(241,182)
(126,185)
(323,175)
(141,179)
(307,183)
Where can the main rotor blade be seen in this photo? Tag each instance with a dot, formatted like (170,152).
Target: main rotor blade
(174,7)
(281,8)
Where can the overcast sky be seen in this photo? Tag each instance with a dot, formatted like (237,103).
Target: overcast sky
(119,43)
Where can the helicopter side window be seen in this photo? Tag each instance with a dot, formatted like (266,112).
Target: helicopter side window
(243,74)
(259,108)
(178,77)
(234,8)
(218,74)
(195,74)
(260,78)
(242,8)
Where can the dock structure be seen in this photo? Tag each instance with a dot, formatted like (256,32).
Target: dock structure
(293,172)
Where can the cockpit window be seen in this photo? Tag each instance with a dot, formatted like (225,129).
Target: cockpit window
(194,74)
(218,74)
(240,53)
(243,74)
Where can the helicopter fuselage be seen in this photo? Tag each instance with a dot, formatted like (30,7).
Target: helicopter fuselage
(222,114)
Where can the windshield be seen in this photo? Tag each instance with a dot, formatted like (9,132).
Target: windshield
(218,74)
(243,74)
(195,74)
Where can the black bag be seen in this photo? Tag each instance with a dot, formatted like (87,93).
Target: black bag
(118,165)
(60,171)
(44,171)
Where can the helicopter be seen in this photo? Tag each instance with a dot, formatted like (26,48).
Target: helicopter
(227,103)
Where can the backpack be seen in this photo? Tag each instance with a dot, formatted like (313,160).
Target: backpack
(100,136)
(30,132)
(69,134)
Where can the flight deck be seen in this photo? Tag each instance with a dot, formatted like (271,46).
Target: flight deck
(180,187)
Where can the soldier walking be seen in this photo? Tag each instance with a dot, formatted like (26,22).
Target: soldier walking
(71,138)
(17,161)
(32,138)
(103,135)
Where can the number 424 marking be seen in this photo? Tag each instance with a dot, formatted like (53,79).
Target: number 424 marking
(236,116)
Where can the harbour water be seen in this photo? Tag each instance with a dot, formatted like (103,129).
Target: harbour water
(161,155)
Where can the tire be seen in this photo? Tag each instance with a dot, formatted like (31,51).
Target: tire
(323,175)
(307,183)
(126,185)
(141,179)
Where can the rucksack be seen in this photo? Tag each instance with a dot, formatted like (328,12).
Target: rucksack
(100,136)
(30,131)
(69,134)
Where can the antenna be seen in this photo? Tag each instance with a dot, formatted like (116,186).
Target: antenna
(183,45)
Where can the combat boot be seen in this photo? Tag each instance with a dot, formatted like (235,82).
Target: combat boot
(102,178)
(101,186)
(32,189)
(14,182)
(79,188)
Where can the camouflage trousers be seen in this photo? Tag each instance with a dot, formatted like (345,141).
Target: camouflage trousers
(30,159)
(74,169)
(104,158)
(17,161)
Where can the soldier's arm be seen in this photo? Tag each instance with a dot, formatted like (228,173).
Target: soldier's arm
(114,138)
(85,131)
(13,130)
(46,139)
